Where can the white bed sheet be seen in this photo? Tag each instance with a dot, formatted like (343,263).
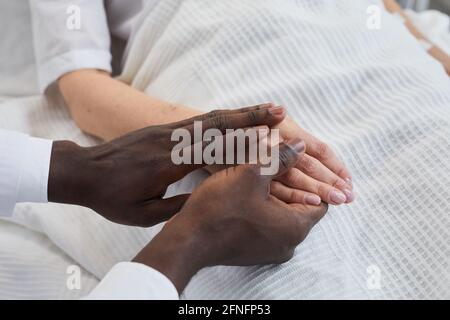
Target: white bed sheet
(32,267)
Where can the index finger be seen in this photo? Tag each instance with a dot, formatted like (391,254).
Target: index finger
(219,112)
(322,152)
(286,156)
(252,117)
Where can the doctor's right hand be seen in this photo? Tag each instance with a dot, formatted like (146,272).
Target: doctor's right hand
(232,219)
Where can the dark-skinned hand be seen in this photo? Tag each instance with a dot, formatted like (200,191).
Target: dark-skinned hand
(124,180)
(232,219)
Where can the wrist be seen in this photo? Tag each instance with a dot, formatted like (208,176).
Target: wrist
(68,181)
(176,252)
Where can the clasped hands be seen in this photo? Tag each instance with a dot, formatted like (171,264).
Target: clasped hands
(235,217)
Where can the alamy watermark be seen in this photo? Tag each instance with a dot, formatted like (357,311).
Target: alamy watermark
(73,281)
(73,21)
(236,146)
(373,21)
(373,281)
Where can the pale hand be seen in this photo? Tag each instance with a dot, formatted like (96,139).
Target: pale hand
(318,176)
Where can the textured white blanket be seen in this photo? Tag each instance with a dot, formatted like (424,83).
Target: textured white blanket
(374,95)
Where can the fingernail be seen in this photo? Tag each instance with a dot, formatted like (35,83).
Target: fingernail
(349,195)
(312,199)
(297,144)
(338,197)
(276,111)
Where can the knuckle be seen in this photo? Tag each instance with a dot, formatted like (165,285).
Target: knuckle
(260,106)
(220,122)
(253,116)
(321,189)
(212,114)
(338,183)
(292,195)
(322,150)
(307,165)
(292,177)
(341,172)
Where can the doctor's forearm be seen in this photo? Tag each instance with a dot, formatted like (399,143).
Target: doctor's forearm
(108,108)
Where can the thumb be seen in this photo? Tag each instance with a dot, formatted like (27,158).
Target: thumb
(284,156)
(160,210)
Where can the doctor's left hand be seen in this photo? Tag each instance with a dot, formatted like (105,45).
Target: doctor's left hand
(124,180)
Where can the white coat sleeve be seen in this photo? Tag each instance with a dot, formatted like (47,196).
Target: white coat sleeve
(24,170)
(69,35)
(134,281)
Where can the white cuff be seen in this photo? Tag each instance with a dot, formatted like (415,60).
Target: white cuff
(134,281)
(70,61)
(24,169)
(33,182)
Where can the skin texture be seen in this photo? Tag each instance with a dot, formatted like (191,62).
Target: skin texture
(124,109)
(124,179)
(251,227)
(319,172)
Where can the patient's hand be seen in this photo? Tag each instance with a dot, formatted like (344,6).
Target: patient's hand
(231,219)
(318,176)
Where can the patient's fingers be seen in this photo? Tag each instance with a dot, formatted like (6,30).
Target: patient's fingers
(292,195)
(256,178)
(317,170)
(299,180)
(322,152)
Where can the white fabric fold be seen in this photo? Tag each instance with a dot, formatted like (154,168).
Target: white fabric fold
(134,281)
(69,35)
